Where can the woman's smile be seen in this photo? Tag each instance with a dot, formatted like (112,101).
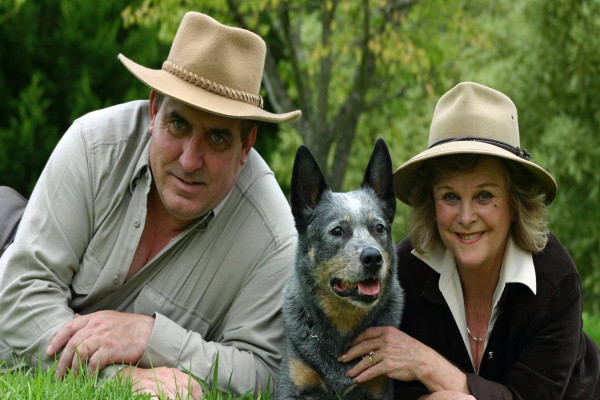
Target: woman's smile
(474,215)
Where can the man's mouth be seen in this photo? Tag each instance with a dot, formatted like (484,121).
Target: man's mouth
(365,291)
(186,181)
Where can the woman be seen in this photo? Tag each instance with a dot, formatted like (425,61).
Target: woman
(492,299)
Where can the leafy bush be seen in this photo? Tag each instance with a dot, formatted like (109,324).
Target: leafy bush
(63,64)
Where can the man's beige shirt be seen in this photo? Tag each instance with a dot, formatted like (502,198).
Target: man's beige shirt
(214,289)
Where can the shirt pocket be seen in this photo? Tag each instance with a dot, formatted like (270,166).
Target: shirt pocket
(87,275)
(151,301)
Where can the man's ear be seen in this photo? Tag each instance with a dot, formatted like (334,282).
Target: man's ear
(153,109)
(248,143)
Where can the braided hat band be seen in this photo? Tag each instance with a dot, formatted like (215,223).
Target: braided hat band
(215,68)
(211,86)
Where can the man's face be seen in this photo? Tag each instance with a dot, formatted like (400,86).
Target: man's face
(195,157)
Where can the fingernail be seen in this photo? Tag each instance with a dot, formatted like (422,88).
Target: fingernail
(50,350)
(342,357)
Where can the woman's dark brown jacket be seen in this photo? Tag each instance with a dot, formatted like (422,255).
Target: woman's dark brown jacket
(537,349)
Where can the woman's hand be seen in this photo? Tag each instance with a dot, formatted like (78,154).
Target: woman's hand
(389,351)
(447,395)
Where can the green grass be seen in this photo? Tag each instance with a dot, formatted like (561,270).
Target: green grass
(34,384)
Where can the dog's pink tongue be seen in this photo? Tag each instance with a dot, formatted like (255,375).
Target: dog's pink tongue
(369,287)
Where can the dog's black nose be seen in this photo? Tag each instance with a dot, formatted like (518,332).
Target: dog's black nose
(371,258)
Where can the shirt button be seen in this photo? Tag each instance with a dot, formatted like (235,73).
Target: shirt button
(136,223)
(115,279)
(490,355)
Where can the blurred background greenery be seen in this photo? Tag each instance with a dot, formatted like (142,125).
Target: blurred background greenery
(358,69)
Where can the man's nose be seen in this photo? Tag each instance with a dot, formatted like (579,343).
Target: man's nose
(192,154)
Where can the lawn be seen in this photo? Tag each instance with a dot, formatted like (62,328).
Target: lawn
(35,384)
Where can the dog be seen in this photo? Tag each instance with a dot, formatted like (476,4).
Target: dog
(344,279)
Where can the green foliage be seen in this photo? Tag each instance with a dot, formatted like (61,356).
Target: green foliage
(63,64)
(591,326)
(544,55)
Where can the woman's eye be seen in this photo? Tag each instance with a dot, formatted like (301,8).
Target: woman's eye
(337,231)
(485,196)
(450,197)
(380,228)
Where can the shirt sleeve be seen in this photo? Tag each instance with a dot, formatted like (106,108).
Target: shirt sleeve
(37,269)
(249,348)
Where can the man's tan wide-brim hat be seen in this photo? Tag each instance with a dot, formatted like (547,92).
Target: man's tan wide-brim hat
(472,118)
(214,67)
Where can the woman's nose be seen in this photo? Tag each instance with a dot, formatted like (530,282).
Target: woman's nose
(467,213)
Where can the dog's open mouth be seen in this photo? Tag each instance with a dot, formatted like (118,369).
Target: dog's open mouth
(365,291)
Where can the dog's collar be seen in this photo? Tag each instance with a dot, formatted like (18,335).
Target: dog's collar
(314,336)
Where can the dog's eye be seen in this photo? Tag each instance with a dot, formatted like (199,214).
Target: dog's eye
(337,231)
(380,228)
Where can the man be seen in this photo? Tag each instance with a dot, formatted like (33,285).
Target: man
(156,236)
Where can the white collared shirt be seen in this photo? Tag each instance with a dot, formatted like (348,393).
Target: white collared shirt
(517,267)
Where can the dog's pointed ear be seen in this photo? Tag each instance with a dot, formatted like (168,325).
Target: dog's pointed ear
(380,177)
(308,185)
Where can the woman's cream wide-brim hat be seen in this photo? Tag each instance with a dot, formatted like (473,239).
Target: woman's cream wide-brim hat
(213,67)
(472,118)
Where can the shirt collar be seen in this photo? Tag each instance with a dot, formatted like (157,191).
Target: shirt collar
(517,266)
(141,169)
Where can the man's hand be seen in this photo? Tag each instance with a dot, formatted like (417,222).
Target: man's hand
(168,381)
(101,338)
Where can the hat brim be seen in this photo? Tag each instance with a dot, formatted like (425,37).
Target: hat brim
(404,174)
(170,85)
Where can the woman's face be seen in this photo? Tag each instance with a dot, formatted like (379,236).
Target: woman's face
(473,214)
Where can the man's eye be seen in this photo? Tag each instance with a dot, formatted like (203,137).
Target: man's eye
(218,139)
(178,124)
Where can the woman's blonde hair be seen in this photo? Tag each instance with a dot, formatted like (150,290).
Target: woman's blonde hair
(529,230)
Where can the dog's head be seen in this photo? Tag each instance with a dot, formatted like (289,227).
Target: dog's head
(345,246)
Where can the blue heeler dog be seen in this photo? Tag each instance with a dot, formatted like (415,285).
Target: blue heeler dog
(344,279)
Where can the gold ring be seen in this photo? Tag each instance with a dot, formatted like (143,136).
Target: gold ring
(371,359)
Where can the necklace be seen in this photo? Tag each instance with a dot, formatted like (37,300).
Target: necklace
(477,339)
